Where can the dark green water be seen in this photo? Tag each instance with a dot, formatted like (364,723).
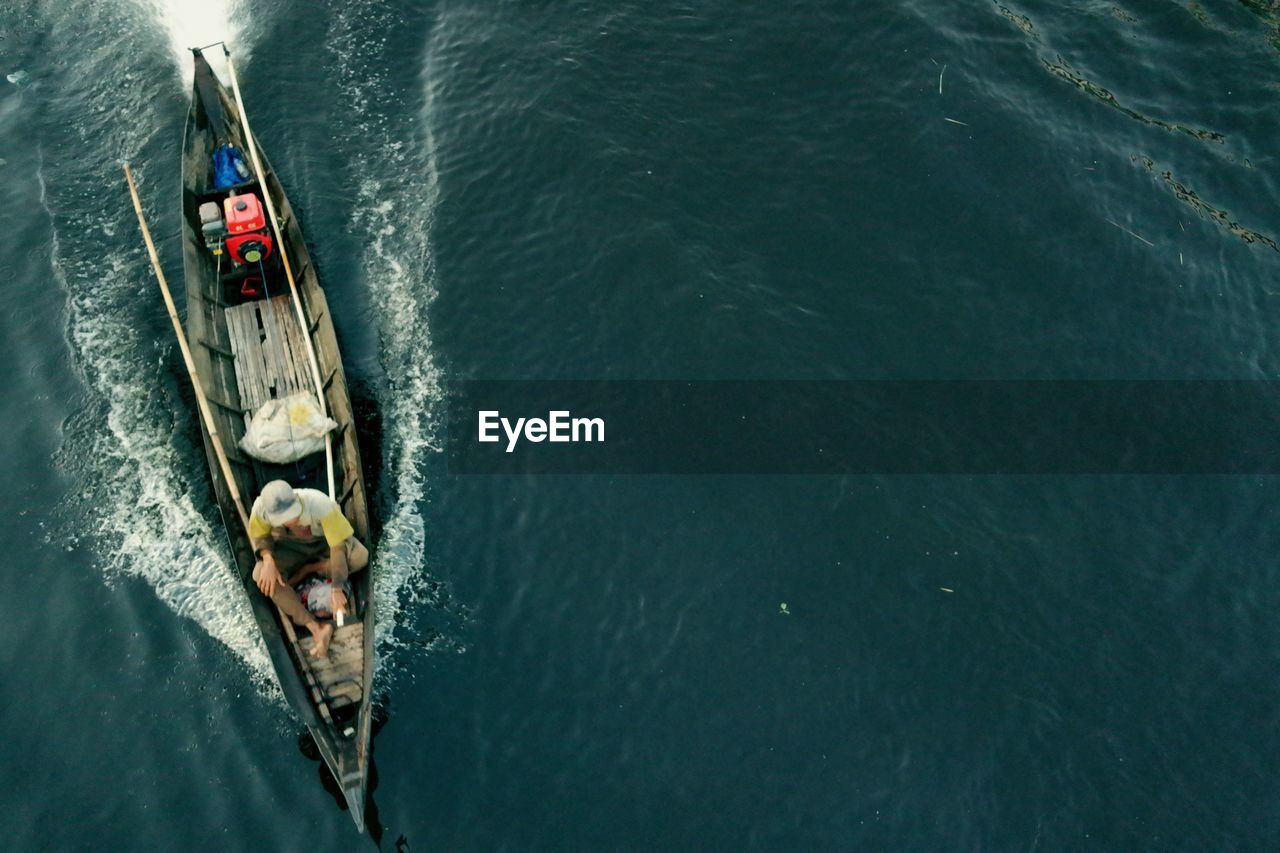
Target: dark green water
(631,191)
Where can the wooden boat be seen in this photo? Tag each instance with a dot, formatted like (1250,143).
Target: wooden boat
(261,331)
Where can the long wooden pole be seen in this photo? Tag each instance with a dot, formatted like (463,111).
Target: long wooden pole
(284,256)
(210,425)
(205,414)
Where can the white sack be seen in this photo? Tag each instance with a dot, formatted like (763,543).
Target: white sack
(287,430)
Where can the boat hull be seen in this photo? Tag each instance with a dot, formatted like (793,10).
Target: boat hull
(342,733)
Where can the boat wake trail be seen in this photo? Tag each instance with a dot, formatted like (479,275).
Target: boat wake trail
(195,24)
(396,198)
(130,448)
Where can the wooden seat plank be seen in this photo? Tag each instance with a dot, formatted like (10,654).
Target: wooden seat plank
(347,642)
(348,690)
(346,656)
(340,657)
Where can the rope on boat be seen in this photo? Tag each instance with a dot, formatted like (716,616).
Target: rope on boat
(284,256)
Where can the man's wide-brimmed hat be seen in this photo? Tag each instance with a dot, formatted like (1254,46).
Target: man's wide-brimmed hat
(279,504)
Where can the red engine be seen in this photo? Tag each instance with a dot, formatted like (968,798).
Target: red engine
(249,248)
(248,241)
(244,213)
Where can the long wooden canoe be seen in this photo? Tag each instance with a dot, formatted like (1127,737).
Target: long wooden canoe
(249,344)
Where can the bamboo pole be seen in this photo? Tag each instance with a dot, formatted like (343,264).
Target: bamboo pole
(203,403)
(284,256)
(212,427)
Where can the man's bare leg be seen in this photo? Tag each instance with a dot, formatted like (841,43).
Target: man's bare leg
(357,559)
(321,633)
(305,572)
(291,605)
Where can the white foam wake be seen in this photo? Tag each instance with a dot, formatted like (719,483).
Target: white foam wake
(140,495)
(147,523)
(196,23)
(394,211)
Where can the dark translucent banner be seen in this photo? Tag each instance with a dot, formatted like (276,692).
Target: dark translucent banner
(867,427)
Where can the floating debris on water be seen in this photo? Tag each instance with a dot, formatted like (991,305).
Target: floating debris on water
(1130,233)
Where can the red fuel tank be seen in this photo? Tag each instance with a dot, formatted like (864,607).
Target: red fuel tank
(249,248)
(244,214)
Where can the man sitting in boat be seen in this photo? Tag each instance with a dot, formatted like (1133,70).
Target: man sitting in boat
(298,532)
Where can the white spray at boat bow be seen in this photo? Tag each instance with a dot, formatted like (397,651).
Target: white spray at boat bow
(192,23)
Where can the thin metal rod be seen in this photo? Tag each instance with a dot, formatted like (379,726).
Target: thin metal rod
(284,256)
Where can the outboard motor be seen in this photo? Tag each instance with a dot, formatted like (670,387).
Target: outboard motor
(249,242)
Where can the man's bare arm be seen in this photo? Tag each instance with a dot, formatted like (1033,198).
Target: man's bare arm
(338,563)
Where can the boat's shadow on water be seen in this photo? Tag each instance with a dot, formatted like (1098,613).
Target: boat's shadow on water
(368,413)
(307,746)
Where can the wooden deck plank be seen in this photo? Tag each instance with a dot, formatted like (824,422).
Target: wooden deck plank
(241,319)
(340,662)
(270,383)
(288,328)
(284,318)
(266,377)
(301,362)
(346,654)
(260,369)
(334,669)
(240,360)
(245,321)
(347,690)
(268,354)
(260,357)
(277,350)
(235,354)
(253,344)
(269,349)
(342,644)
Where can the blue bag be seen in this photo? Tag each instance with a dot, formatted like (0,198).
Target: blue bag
(228,167)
